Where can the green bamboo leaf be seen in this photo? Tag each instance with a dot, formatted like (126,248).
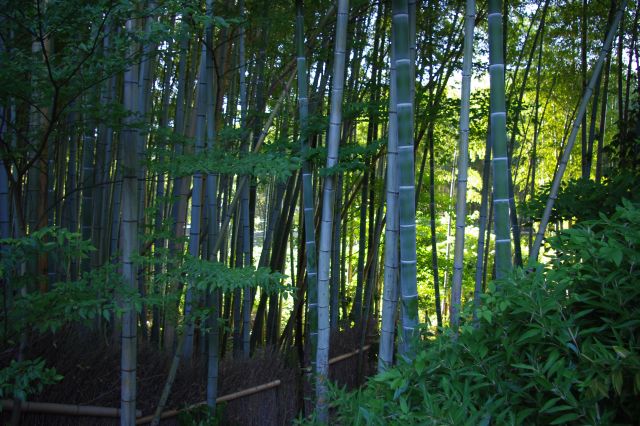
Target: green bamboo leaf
(547,405)
(622,352)
(524,367)
(566,418)
(553,357)
(617,381)
(529,334)
(403,405)
(558,408)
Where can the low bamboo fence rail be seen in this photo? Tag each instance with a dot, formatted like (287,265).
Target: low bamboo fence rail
(95,411)
(65,409)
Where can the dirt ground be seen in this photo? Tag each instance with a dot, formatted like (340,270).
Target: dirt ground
(92,377)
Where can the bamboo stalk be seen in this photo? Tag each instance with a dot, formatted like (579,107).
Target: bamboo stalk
(391,248)
(463,165)
(307,184)
(553,193)
(243,181)
(406,174)
(229,397)
(65,409)
(328,201)
(498,135)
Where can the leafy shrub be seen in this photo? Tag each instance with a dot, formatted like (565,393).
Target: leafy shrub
(559,346)
(24,310)
(624,149)
(92,295)
(98,293)
(202,416)
(22,378)
(583,199)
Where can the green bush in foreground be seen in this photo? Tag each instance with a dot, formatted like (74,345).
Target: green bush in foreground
(560,346)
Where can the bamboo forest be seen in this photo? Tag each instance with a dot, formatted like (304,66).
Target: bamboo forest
(327,212)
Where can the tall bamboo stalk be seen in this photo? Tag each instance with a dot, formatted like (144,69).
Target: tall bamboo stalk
(482,227)
(603,121)
(583,70)
(307,184)
(129,245)
(335,259)
(211,198)
(391,249)
(562,165)
(5,168)
(537,122)
(406,175)
(326,226)
(463,165)
(196,197)
(244,205)
(432,227)
(498,132)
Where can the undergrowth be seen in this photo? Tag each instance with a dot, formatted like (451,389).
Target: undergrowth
(558,346)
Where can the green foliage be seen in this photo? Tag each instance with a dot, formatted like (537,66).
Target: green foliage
(559,346)
(23,311)
(214,275)
(352,157)
(207,276)
(93,295)
(60,244)
(261,164)
(96,294)
(624,149)
(22,378)
(581,199)
(202,416)
(53,56)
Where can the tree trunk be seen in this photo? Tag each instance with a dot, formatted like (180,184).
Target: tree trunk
(333,141)
(129,247)
(463,164)
(498,134)
(406,175)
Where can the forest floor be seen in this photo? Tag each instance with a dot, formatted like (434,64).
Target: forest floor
(91,370)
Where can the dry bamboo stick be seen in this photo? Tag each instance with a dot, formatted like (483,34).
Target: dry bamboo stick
(348,355)
(342,357)
(65,409)
(172,413)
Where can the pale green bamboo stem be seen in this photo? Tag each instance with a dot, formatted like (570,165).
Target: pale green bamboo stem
(498,132)
(406,173)
(390,290)
(326,225)
(463,165)
(482,227)
(307,185)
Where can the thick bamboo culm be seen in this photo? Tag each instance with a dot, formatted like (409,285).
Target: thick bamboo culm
(230,397)
(65,409)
